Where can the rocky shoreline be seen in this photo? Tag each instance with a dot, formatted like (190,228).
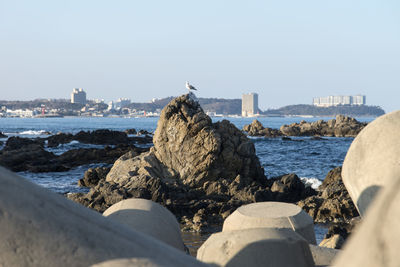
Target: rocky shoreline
(341,126)
(201,171)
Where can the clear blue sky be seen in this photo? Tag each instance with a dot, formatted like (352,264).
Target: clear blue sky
(286,51)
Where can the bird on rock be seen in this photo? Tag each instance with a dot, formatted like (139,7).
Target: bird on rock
(190,87)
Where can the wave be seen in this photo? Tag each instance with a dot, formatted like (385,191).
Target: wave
(33,132)
(311,181)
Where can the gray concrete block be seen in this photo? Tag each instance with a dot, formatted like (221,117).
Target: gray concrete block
(41,228)
(376,241)
(256,247)
(148,217)
(372,160)
(272,215)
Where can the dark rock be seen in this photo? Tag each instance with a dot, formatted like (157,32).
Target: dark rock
(257,129)
(27,155)
(130,131)
(102,137)
(15,143)
(59,138)
(2,135)
(289,188)
(98,137)
(333,202)
(144,132)
(93,176)
(342,126)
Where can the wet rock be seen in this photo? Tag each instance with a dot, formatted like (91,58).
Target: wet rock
(333,202)
(16,143)
(144,132)
(24,154)
(2,135)
(99,137)
(130,131)
(102,136)
(93,175)
(59,138)
(289,188)
(257,129)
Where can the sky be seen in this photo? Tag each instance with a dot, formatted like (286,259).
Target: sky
(287,51)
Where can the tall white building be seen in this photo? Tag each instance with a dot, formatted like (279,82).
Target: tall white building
(249,105)
(328,101)
(122,103)
(78,96)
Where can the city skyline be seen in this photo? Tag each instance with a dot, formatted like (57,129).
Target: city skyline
(287,52)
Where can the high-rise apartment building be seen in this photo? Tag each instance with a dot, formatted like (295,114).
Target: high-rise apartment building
(249,104)
(78,96)
(339,100)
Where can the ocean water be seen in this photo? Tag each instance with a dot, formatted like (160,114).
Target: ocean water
(311,159)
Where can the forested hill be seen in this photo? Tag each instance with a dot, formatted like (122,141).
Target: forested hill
(311,110)
(217,105)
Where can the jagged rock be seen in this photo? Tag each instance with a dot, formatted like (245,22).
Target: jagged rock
(15,143)
(93,175)
(130,131)
(24,154)
(100,137)
(289,188)
(342,126)
(333,202)
(257,129)
(201,171)
(144,132)
(2,135)
(59,138)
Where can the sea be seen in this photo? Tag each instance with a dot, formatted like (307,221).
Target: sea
(311,159)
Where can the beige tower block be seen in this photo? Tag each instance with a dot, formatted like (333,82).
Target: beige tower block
(41,228)
(256,247)
(376,241)
(148,217)
(372,159)
(272,215)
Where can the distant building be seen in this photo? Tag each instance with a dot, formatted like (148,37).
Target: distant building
(122,103)
(78,96)
(329,101)
(249,104)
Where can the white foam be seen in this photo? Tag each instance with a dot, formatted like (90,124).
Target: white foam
(32,132)
(311,181)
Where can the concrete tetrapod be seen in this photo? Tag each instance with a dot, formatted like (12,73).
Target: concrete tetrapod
(323,256)
(256,247)
(148,217)
(372,159)
(376,241)
(272,215)
(41,228)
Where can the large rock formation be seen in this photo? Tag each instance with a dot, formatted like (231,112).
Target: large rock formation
(341,126)
(200,170)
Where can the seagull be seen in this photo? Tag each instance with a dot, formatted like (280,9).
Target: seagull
(190,87)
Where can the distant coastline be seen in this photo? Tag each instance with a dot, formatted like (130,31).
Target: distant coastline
(215,107)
